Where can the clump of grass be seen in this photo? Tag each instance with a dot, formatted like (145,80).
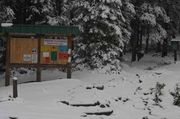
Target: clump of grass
(158,92)
(176,95)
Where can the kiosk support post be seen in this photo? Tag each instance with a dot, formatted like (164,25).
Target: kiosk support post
(7,73)
(38,73)
(15,91)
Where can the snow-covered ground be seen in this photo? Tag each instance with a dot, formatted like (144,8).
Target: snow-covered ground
(97,95)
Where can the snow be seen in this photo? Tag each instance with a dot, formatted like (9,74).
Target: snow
(130,8)
(9,11)
(52,21)
(161,12)
(6,24)
(129,94)
(149,18)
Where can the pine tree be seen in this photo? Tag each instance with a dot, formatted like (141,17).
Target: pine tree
(150,27)
(32,11)
(104,30)
(41,12)
(6,13)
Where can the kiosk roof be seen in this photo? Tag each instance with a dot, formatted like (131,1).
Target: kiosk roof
(40,29)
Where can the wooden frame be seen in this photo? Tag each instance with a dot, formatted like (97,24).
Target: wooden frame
(37,65)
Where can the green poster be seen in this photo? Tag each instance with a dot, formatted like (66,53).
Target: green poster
(53,55)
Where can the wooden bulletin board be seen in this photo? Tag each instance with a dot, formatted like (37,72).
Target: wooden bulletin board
(38,46)
(54,50)
(24,50)
(38,52)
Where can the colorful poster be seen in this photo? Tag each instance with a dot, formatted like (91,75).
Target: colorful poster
(47,60)
(45,48)
(62,56)
(27,58)
(55,50)
(63,48)
(54,56)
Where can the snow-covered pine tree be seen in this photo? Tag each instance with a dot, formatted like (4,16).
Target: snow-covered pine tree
(6,13)
(172,8)
(155,17)
(152,19)
(41,12)
(32,11)
(104,30)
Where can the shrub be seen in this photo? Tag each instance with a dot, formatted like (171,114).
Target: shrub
(176,95)
(158,92)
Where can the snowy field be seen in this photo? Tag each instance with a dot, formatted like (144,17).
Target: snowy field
(132,94)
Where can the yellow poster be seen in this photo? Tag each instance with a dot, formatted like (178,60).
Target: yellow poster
(46,48)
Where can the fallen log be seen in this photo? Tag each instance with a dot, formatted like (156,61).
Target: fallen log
(81,104)
(107,113)
(86,105)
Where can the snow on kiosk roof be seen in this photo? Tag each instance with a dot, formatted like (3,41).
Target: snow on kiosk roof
(40,29)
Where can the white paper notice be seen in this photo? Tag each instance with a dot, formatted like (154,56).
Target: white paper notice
(34,58)
(27,58)
(46,54)
(69,51)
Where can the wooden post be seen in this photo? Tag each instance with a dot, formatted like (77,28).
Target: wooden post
(70,55)
(7,73)
(15,90)
(175,55)
(69,71)
(147,40)
(38,73)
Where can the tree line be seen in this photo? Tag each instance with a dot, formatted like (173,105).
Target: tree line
(108,27)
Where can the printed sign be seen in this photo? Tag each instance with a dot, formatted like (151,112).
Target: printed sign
(46,54)
(63,48)
(47,60)
(27,58)
(55,50)
(63,56)
(34,58)
(64,43)
(55,42)
(69,51)
(53,55)
(34,50)
(45,48)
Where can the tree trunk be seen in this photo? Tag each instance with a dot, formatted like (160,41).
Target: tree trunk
(133,42)
(147,41)
(164,48)
(158,48)
(21,12)
(58,6)
(140,38)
